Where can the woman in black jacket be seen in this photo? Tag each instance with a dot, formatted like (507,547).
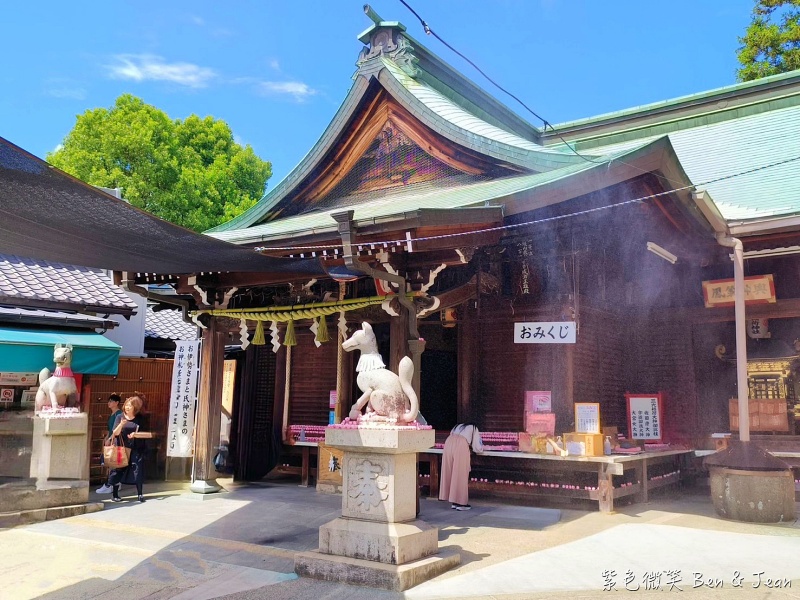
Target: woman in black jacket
(126,428)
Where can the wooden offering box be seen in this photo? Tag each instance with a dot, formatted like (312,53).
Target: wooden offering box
(591,444)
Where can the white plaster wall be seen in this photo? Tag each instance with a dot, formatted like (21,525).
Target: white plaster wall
(130,332)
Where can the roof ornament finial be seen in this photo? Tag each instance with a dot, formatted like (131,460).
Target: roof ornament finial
(385,39)
(376,18)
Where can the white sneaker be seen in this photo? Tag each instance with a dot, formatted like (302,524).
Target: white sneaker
(463,507)
(106,489)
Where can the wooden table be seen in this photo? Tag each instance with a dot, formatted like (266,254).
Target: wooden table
(308,452)
(305,470)
(635,468)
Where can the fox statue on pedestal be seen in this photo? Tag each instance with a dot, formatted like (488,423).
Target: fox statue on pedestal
(58,389)
(388,397)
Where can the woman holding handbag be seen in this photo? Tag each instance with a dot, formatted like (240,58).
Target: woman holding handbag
(126,429)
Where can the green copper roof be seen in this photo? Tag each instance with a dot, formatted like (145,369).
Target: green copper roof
(725,141)
(742,146)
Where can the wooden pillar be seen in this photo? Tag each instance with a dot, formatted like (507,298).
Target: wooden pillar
(467,366)
(209,405)
(398,332)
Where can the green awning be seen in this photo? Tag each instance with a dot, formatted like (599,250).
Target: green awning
(29,350)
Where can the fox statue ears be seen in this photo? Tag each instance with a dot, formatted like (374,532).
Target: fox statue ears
(367,328)
(67,346)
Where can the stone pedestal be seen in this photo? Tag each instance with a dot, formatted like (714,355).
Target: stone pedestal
(60,448)
(378,541)
(58,482)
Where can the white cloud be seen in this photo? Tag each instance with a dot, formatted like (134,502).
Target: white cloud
(199,21)
(64,88)
(149,67)
(298,90)
(274,64)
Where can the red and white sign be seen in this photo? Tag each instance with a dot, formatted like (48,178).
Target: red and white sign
(7,395)
(11,378)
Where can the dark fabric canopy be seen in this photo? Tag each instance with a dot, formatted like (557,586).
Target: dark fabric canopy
(49,215)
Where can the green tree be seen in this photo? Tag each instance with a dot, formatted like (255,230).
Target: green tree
(771,43)
(189,172)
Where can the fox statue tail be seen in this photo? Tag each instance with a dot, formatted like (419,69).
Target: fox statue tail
(405,371)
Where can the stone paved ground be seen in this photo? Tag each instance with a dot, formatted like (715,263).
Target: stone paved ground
(241,545)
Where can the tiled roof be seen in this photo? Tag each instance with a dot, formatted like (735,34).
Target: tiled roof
(739,146)
(168,324)
(19,314)
(38,283)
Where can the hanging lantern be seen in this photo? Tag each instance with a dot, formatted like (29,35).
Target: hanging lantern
(448,317)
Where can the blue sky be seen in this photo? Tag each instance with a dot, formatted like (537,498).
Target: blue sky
(276,71)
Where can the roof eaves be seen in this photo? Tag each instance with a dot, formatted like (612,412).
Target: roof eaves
(306,164)
(682,113)
(790,79)
(762,225)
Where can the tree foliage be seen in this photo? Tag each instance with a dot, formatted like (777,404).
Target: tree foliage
(771,43)
(189,172)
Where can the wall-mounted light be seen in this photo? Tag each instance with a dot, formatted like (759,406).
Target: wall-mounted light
(659,251)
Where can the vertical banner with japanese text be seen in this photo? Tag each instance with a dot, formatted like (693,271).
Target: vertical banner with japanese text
(183,398)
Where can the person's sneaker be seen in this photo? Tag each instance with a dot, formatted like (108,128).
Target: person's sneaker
(454,505)
(106,489)
(463,507)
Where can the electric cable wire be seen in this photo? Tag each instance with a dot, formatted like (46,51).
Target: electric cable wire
(545,123)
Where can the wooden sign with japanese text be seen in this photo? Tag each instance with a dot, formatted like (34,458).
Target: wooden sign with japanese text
(545,332)
(759,289)
(587,417)
(645,416)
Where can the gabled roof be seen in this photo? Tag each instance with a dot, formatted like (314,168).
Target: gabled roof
(398,71)
(740,144)
(42,284)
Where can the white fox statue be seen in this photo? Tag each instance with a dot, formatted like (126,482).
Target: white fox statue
(58,389)
(388,397)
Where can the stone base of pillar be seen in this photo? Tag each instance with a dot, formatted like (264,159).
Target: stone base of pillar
(390,543)
(202,486)
(355,571)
